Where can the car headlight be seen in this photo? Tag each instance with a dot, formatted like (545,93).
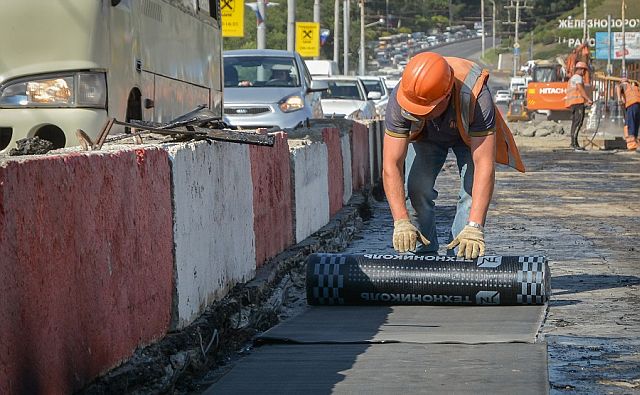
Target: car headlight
(81,89)
(291,103)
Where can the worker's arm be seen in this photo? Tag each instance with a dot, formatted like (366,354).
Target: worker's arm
(483,152)
(394,152)
(620,94)
(583,93)
(470,241)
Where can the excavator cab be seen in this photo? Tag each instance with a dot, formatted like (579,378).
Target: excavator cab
(547,72)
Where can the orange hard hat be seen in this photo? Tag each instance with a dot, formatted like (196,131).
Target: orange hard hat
(427,79)
(581,65)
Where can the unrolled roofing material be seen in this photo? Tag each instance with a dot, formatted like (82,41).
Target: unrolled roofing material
(375,279)
(389,369)
(410,324)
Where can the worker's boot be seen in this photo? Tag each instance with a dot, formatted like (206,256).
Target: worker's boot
(574,142)
(632,143)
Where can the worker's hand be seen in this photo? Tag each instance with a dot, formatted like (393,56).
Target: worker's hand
(471,241)
(405,236)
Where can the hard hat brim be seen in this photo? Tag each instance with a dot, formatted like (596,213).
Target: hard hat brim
(418,109)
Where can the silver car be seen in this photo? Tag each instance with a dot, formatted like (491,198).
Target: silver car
(269,89)
(346,98)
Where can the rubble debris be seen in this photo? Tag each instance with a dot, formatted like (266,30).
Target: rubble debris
(31,146)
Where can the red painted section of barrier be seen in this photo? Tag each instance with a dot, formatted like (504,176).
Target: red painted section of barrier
(272,198)
(359,155)
(86,264)
(331,137)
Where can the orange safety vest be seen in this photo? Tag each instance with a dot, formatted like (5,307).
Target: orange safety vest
(573,95)
(631,94)
(469,78)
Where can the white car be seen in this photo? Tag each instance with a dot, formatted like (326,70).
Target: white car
(502,97)
(346,98)
(376,84)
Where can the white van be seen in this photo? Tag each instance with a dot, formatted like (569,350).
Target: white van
(71,64)
(517,83)
(325,68)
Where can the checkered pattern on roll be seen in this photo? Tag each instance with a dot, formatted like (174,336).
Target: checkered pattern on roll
(330,282)
(530,278)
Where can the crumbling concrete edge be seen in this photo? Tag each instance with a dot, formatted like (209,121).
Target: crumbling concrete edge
(182,357)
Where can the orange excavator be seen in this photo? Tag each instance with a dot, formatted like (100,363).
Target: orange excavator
(548,86)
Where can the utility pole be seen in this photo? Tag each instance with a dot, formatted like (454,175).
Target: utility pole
(336,32)
(262,26)
(624,43)
(493,25)
(585,32)
(610,40)
(361,68)
(316,15)
(482,22)
(346,21)
(516,44)
(291,25)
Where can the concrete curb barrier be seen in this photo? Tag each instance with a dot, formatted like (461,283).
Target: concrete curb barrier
(105,252)
(213,223)
(85,258)
(272,198)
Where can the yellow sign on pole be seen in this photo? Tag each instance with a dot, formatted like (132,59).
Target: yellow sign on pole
(308,39)
(232,13)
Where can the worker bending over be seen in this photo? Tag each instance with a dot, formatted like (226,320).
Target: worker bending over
(575,100)
(441,104)
(629,96)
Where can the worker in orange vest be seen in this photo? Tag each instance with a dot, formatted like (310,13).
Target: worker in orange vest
(442,104)
(629,96)
(575,100)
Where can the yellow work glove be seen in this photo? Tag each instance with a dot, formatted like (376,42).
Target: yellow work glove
(405,236)
(471,241)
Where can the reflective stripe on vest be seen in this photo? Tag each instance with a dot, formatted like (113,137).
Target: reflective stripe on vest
(573,95)
(631,94)
(465,95)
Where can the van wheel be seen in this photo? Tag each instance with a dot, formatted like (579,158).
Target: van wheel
(134,107)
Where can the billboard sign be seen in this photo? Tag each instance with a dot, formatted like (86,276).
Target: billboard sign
(232,13)
(632,45)
(308,39)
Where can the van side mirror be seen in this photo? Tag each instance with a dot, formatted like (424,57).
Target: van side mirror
(374,95)
(318,86)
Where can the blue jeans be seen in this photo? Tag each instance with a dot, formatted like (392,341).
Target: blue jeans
(428,161)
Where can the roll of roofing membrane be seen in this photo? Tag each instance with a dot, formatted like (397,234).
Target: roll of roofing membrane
(374,279)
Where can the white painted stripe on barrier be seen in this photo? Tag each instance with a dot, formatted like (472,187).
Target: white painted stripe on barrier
(310,167)
(345,145)
(213,223)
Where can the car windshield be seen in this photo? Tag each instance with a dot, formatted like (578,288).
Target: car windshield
(373,86)
(502,93)
(255,71)
(347,90)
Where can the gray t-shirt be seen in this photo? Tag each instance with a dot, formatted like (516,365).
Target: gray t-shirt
(442,130)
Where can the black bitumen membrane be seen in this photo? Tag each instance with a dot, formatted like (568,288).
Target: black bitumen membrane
(397,349)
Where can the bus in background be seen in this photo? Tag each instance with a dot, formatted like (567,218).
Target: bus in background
(71,64)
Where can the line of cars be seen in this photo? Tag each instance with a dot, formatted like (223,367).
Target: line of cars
(274,89)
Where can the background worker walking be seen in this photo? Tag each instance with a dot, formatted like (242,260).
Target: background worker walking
(629,96)
(575,100)
(441,104)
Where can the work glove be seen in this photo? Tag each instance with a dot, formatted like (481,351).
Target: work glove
(405,236)
(471,241)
